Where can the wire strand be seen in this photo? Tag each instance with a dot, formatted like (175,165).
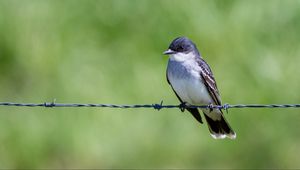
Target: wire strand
(156,106)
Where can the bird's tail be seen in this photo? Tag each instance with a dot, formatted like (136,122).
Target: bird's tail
(219,128)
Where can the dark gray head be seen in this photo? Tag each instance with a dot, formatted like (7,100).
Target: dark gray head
(183,45)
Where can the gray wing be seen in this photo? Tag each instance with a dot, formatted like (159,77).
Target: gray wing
(209,81)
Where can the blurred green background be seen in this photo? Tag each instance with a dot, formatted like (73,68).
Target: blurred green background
(92,51)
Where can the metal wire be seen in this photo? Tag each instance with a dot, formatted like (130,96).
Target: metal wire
(156,106)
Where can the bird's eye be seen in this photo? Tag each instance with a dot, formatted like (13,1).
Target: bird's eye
(180,48)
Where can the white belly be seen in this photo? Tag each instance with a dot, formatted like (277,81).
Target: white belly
(192,91)
(184,76)
(188,84)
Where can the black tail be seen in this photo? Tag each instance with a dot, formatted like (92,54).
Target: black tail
(219,129)
(196,114)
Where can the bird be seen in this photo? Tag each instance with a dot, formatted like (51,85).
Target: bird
(193,82)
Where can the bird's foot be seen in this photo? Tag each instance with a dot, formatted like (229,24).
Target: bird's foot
(210,107)
(182,106)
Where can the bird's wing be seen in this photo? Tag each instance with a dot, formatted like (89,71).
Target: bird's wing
(193,111)
(209,81)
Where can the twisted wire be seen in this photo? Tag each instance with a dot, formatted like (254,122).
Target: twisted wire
(156,106)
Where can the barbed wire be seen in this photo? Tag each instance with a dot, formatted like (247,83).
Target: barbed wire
(156,106)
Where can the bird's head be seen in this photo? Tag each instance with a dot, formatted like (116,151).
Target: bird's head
(182,45)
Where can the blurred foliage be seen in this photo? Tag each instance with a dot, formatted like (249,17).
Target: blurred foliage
(111,52)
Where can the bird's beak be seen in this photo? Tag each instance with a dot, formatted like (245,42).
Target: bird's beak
(169,51)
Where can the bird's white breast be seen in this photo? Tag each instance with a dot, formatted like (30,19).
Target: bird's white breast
(184,76)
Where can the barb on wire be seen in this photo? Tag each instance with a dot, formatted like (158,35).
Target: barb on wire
(156,106)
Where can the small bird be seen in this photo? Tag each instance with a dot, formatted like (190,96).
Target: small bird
(194,84)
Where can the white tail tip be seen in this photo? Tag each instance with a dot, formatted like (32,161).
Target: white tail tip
(223,136)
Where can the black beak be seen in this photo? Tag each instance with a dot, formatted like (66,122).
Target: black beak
(169,51)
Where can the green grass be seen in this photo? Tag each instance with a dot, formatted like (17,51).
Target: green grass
(111,52)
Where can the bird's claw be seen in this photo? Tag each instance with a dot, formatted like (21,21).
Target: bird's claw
(210,107)
(182,106)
